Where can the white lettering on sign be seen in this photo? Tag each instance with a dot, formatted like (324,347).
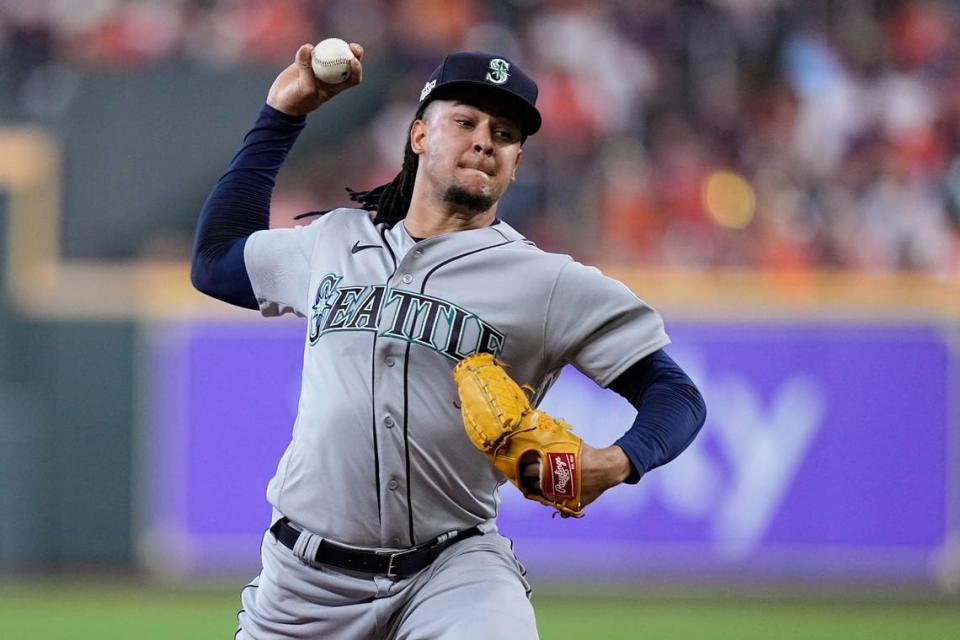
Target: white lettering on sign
(765,447)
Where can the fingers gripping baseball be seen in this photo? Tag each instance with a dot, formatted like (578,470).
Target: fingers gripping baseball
(297,91)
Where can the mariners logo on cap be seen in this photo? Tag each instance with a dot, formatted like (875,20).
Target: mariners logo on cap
(498,71)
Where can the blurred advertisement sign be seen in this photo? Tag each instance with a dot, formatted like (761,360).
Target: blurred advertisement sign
(827,452)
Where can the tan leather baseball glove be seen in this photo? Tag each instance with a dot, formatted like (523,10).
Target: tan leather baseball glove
(500,421)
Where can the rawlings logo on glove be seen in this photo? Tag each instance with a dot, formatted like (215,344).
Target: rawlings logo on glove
(560,480)
(500,422)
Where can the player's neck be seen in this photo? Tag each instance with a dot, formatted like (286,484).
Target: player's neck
(428,219)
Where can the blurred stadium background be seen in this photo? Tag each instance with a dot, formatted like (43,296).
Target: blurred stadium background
(780,178)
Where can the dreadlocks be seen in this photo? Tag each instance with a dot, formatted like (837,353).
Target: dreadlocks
(391,200)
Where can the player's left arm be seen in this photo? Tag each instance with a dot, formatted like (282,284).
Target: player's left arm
(670,414)
(602,328)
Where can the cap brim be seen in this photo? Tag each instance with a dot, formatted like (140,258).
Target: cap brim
(530,119)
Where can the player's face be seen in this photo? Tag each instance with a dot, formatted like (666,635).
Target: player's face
(470,150)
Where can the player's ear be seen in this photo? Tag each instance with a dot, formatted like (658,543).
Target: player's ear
(516,164)
(418,136)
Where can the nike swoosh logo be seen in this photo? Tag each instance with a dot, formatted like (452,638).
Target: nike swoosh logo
(360,247)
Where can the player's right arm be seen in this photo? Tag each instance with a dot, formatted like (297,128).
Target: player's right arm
(239,204)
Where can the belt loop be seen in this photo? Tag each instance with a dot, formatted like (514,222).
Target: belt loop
(307,546)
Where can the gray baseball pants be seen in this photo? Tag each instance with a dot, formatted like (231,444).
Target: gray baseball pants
(475,589)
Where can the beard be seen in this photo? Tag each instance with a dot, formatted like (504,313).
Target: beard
(473,203)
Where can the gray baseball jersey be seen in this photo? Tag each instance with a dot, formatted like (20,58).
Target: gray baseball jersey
(379,456)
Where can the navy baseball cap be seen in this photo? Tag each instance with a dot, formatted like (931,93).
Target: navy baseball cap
(485,72)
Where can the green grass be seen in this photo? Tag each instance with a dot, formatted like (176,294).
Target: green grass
(97,611)
(618,619)
(94,611)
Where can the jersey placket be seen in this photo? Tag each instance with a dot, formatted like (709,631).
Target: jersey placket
(391,411)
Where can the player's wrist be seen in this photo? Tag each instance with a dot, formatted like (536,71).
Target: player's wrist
(279,117)
(618,465)
(292,108)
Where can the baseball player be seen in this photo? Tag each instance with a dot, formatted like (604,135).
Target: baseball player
(384,513)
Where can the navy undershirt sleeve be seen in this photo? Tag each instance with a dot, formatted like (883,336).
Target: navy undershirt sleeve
(239,205)
(670,412)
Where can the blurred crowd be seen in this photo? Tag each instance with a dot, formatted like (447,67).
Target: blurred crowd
(781,134)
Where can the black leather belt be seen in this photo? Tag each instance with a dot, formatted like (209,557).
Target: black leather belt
(396,564)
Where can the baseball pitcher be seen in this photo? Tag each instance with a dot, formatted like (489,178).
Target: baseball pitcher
(433,329)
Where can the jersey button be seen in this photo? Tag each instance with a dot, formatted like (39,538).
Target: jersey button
(407,278)
(393,484)
(396,541)
(388,421)
(417,253)
(390,361)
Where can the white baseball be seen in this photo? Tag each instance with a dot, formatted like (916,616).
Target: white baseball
(331,61)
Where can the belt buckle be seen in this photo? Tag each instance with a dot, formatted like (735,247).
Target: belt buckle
(391,569)
(390,573)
